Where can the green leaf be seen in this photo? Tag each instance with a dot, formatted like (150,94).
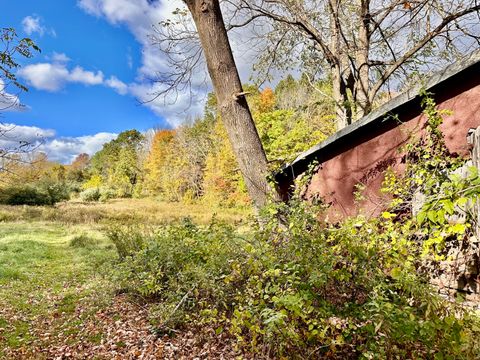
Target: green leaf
(448,206)
(396,273)
(432,216)
(421,216)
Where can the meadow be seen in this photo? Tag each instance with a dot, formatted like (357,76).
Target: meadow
(55,297)
(148,211)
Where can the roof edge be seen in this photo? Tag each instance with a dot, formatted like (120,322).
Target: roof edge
(381,113)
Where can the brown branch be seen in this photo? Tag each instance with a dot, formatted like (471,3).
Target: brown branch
(426,39)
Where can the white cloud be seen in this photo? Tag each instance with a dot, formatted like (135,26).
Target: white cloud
(139,16)
(116,84)
(16,133)
(45,76)
(31,24)
(60,57)
(175,109)
(85,77)
(66,149)
(61,149)
(53,77)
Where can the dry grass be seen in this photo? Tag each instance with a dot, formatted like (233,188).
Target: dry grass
(147,211)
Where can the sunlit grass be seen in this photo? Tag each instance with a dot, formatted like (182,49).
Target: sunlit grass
(53,261)
(44,278)
(148,211)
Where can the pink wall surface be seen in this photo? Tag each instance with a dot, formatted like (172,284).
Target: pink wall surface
(365,162)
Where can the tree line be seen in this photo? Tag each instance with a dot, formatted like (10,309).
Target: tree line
(194,162)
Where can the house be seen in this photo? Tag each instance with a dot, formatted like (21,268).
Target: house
(361,152)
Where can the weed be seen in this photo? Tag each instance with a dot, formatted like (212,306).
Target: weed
(83,241)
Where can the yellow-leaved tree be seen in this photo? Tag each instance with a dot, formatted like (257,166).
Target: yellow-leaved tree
(223,182)
(155,164)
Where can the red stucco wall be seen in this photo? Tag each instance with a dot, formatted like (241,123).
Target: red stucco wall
(365,163)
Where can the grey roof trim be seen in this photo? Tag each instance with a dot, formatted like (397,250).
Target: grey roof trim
(385,109)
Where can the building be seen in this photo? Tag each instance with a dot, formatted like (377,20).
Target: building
(361,152)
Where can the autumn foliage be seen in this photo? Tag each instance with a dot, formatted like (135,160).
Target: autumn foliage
(194,162)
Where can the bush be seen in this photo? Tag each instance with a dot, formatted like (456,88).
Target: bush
(177,262)
(83,241)
(107,193)
(98,194)
(74,187)
(24,196)
(88,195)
(337,292)
(56,191)
(40,194)
(128,240)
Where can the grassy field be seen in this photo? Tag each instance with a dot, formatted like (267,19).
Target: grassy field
(55,299)
(148,211)
(46,271)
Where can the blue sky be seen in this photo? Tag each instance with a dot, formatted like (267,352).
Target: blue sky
(86,83)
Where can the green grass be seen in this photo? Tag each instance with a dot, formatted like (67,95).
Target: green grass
(44,279)
(53,262)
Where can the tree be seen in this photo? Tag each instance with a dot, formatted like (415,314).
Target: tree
(292,119)
(175,164)
(156,159)
(223,183)
(126,172)
(231,100)
(81,161)
(118,162)
(267,100)
(105,160)
(366,46)
(76,171)
(12,47)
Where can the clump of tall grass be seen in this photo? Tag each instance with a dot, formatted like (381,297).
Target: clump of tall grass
(83,241)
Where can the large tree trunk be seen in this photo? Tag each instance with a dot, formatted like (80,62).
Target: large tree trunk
(362,81)
(232,103)
(342,107)
(337,65)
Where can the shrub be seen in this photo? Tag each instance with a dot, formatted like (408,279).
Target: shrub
(74,187)
(107,193)
(24,196)
(45,192)
(176,262)
(83,241)
(128,239)
(339,292)
(56,191)
(92,194)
